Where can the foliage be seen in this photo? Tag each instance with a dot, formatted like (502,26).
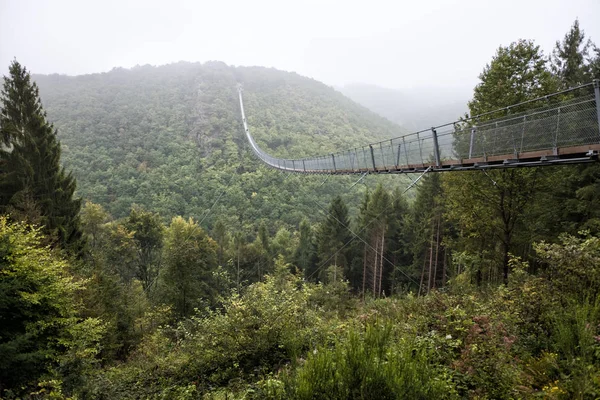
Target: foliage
(570,58)
(170,140)
(369,365)
(574,264)
(190,259)
(40,330)
(33,185)
(332,236)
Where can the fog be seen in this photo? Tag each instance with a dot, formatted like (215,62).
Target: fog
(393,44)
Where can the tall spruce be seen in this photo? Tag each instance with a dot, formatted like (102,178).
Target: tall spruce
(332,237)
(570,58)
(33,185)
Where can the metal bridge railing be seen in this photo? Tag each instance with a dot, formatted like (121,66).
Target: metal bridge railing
(567,119)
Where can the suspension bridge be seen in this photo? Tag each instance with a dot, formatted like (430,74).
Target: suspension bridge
(559,128)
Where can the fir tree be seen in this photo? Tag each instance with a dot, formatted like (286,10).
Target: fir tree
(333,236)
(570,58)
(33,185)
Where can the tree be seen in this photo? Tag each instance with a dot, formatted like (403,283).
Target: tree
(376,219)
(570,58)
(148,233)
(517,73)
(191,257)
(400,238)
(220,235)
(306,255)
(426,223)
(38,308)
(33,185)
(93,220)
(332,237)
(491,211)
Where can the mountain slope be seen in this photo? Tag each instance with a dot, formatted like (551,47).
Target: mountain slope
(413,109)
(170,139)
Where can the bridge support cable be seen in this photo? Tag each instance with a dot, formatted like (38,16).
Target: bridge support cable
(559,129)
(436,148)
(359,179)
(354,236)
(416,180)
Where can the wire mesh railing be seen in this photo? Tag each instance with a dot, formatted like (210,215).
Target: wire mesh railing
(565,120)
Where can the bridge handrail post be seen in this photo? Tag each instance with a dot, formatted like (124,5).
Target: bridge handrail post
(597,95)
(333,158)
(436,148)
(373,157)
(473,130)
(556,133)
(420,149)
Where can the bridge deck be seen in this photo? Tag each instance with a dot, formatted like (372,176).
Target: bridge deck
(556,129)
(564,155)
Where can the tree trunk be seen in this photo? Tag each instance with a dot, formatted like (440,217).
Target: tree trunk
(437,249)
(381,260)
(375,268)
(364,282)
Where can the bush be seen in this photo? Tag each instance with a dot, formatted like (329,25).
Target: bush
(371,365)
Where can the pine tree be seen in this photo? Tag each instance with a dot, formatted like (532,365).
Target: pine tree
(570,58)
(333,236)
(33,185)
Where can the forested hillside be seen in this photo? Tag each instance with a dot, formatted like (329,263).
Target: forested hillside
(170,139)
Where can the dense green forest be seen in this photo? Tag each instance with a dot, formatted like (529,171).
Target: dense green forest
(180,268)
(170,139)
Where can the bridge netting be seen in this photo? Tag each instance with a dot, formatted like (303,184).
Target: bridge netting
(563,127)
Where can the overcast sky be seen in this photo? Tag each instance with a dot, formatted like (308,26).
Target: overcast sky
(396,43)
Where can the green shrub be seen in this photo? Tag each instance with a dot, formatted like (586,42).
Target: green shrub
(372,365)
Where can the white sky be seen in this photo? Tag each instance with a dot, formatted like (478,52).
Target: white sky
(397,44)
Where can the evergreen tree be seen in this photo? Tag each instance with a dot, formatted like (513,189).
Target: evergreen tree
(332,237)
(400,238)
(425,226)
(379,214)
(33,185)
(570,58)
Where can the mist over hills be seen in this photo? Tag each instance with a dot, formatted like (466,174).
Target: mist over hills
(414,109)
(170,139)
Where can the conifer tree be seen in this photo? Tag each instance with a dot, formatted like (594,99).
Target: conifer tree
(33,185)
(333,235)
(570,58)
